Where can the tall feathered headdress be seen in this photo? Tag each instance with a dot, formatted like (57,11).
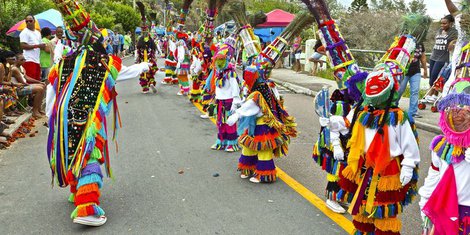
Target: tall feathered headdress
(79,21)
(416,25)
(144,25)
(246,33)
(183,14)
(339,56)
(273,51)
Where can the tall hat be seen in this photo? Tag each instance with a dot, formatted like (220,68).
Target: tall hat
(144,25)
(184,14)
(251,45)
(79,22)
(339,56)
(381,85)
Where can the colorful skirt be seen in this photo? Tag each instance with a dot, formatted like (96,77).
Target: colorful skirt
(380,196)
(227,135)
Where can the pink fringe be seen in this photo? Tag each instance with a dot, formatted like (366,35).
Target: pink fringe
(457,139)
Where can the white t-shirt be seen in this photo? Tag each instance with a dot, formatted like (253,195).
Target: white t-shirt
(31,38)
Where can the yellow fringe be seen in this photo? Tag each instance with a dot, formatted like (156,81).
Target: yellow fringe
(356,144)
(389,224)
(389,183)
(457,151)
(439,145)
(363,219)
(332,178)
(349,174)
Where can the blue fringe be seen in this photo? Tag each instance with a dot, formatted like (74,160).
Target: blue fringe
(90,179)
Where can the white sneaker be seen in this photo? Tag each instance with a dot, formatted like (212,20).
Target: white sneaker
(204,116)
(153,88)
(243,176)
(254,180)
(430,98)
(335,206)
(90,220)
(179,93)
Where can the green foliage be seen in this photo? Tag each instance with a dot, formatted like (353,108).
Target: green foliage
(269,5)
(417,7)
(13,11)
(126,16)
(359,5)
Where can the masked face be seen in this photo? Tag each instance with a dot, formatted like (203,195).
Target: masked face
(458,118)
(221,62)
(378,82)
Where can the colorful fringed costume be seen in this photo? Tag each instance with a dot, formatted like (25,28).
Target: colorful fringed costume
(197,76)
(227,97)
(266,129)
(170,68)
(84,85)
(330,137)
(182,71)
(383,156)
(146,52)
(445,194)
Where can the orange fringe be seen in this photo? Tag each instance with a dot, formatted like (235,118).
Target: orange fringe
(389,224)
(88,188)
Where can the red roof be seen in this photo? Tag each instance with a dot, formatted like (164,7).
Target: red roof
(277,18)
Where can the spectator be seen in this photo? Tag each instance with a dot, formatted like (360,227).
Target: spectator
(116,43)
(297,49)
(413,76)
(37,90)
(109,46)
(31,44)
(58,44)
(127,43)
(440,53)
(6,89)
(46,54)
(121,45)
(318,53)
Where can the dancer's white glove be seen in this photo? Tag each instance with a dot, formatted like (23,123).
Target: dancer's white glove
(406,174)
(467,155)
(234,107)
(338,153)
(233,119)
(324,121)
(147,67)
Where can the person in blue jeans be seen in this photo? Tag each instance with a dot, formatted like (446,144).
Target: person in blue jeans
(440,52)
(413,76)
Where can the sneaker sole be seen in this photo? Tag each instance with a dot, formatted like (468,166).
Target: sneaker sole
(89,223)
(335,210)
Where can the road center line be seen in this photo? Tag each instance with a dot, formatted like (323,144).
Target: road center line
(339,219)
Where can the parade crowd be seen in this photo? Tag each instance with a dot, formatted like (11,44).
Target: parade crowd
(367,145)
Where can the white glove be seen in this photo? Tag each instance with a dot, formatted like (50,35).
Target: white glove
(324,121)
(147,66)
(234,107)
(467,155)
(233,119)
(406,174)
(338,153)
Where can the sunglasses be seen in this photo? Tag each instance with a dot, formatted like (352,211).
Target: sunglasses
(29,21)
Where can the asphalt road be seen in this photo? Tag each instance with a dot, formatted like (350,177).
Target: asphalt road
(162,137)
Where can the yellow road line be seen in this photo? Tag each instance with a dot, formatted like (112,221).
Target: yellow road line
(339,219)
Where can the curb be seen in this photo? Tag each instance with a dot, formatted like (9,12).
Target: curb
(18,122)
(305,91)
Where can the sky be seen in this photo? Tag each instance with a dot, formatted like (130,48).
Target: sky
(435,8)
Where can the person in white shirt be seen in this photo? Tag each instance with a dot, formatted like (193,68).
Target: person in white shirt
(30,42)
